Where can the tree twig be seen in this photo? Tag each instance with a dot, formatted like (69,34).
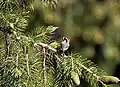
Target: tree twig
(6,43)
(44,68)
(17,55)
(27,61)
(45,46)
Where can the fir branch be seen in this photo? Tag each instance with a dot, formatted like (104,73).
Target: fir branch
(45,46)
(6,31)
(92,73)
(6,44)
(87,69)
(17,55)
(44,69)
(27,61)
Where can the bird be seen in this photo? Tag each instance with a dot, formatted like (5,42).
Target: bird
(62,46)
(65,44)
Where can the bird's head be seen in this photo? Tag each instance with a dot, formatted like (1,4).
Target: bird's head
(67,39)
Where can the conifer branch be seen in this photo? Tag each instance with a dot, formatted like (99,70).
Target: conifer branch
(6,44)
(45,46)
(17,55)
(27,60)
(6,31)
(88,70)
(96,76)
(44,68)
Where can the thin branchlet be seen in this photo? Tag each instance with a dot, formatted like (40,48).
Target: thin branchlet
(44,68)
(27,61)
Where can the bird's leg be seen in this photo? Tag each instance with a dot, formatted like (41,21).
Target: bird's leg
(63,54)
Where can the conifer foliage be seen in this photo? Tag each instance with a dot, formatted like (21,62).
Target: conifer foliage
(27,59)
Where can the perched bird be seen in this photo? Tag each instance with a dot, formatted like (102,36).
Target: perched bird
(65,44)
(61,47)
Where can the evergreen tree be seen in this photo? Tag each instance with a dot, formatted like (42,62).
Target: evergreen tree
(28,60)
